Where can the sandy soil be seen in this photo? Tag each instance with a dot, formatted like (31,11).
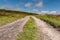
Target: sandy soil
(9,31)
(48,33)
(45,31)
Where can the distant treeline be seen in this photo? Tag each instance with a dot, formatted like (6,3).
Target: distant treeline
(7,12)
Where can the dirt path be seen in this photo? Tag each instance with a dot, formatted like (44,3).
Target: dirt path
(48,33)
(9,31)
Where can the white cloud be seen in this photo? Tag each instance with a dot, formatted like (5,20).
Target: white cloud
(44,11)
(39,5)
(47,11)
(53,12)
(36,11)
(28,5)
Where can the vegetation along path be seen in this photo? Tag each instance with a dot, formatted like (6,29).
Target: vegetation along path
(29,31)
(48,33)
(45,31)
(9,31)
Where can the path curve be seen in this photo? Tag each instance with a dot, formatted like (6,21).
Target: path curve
(9,31)
(48,32)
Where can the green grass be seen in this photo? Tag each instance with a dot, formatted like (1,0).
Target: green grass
(4,19)
(29,32)
(53,20)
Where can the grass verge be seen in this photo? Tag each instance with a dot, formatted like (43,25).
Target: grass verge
(53,20)
(29,32)
(4,19)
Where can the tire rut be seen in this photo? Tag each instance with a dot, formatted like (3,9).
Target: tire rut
(10,31)
(47,32)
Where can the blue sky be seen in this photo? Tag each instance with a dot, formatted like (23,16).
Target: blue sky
(37,6)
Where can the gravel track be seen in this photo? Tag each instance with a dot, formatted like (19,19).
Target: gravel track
(47,32)
(10,31)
